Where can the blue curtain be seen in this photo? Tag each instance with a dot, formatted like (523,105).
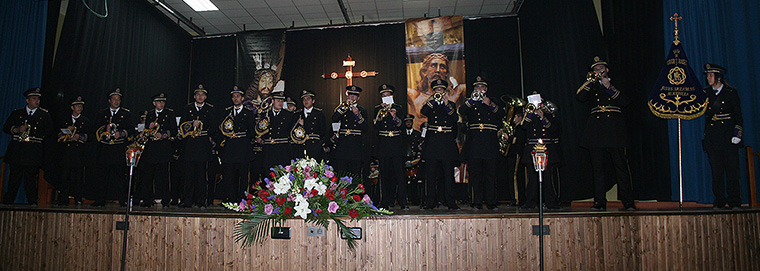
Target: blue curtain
(724,32)
(22,42)
(21,51)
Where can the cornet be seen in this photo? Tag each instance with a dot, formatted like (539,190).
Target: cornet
(478,95)
(346,105)
(590,78)
(438,96)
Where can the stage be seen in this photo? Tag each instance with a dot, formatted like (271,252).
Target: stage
(653,238)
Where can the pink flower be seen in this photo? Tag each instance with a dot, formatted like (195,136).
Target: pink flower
(270,186)
(329,174)
(268,209)
(291,197)
(333,186)
(332,207)
(306,170)
(241,206)
(288,168)
(366,199)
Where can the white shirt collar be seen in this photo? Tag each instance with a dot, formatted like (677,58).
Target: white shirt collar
(114,111)
(198,107)
(308,110)
(30,111)
(717,91)
(409,131)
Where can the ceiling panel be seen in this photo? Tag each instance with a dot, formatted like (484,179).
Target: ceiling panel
(270,14)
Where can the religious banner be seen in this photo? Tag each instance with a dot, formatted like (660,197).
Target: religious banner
(260,58)
(434,50)
(677,94)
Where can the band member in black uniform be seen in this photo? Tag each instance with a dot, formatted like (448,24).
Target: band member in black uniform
(277,147)
(723,137)
(412,161)
(80,129)
(28,126)
(606,134)
(440,148)
(291,105)
(515,171)
(353,123)
(234,138)
(115,123)
(389,149)
(481,149)
(196,122)
(542,127)
(315,125)
(160,125)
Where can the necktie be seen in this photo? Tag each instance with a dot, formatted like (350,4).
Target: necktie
(236,111)
(113,112)
(30,112)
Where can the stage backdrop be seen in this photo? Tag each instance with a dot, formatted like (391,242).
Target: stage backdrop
(435,50)
(260,58)
(724,33)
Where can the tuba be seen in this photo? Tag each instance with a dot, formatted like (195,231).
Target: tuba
(590,78)
(508,128)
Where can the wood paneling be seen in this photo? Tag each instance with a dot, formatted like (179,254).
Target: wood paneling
(39,240)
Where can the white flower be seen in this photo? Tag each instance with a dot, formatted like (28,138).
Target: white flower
(302,206)
(282,185)
(314,183)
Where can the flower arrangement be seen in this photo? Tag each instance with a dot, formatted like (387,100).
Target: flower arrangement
(305,189)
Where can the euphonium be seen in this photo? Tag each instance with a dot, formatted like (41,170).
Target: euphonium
(590,78)
(24,136)
(106,132)
(508,128)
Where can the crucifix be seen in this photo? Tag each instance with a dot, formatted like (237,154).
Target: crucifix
(349,63)
(676,18)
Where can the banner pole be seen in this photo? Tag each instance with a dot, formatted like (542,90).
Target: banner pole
(680,168)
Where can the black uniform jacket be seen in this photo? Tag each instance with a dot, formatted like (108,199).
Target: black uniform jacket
(606,125)
(315,126)
(74,150)
(237,144)
(482,122)
(389,129)
(352,126)
(27,150)
(278,148)
(111,151)
(199,148)
(723,119)
(160,150)
(548,130)
(440,138)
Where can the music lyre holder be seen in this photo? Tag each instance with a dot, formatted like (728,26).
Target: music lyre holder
(133,157)
(539,164)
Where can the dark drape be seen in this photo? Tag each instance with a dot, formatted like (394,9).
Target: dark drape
(136,48)
(725,33)
(213,65)
(311,53)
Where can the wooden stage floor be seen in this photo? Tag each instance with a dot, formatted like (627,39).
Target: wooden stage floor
(656,237)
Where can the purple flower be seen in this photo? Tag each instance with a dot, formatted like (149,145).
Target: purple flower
(367,200)
(292,178)
(266,180)
(346,179)
(373,207)
(329,174)
(268,209)
(332,207)
(276,211)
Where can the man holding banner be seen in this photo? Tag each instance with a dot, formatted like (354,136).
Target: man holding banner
(723,136)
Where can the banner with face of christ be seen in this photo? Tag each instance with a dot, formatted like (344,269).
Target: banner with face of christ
(260,57)
(435,50)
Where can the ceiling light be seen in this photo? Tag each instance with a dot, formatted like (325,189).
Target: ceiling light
(201,5)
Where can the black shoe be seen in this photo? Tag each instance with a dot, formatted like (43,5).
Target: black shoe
(122,204)
(493,207)
(476,206)
(185,205)
(98,203)
(454,207)
(629,206)
(554,208)
(736,207)
(146,204)
(62,203)
(427,207)
(599,207)
(404,207)
(79,203)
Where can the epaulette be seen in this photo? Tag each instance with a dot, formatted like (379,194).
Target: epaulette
(229,107)
(125,109)
(169,109)
(43,109)
(379,105)
(317,108)
(210,105)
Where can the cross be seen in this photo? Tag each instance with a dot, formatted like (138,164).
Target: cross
(676,18)
(349,63)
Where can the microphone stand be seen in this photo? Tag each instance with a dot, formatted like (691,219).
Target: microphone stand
(539,162)
(133,156)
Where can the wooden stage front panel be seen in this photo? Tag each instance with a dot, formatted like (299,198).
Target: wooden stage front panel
(644,240)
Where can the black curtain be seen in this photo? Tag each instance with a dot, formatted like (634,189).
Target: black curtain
(135,48)
(310,53)
(213,65)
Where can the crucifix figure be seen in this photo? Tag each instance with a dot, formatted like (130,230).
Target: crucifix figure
(349,63)
(676,18)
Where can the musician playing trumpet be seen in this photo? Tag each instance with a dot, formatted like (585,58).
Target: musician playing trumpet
(79,130)
(353,124)
(389,149)
(481,149)
(160,124)
(542,127)
(196,148)
(605,134)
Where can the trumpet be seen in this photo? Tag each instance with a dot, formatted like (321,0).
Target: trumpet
(438,96)
(24,136)
(590,78)
(477,95)
(530,108)
(345,105)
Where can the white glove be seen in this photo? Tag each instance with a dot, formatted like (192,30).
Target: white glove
(736,140)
